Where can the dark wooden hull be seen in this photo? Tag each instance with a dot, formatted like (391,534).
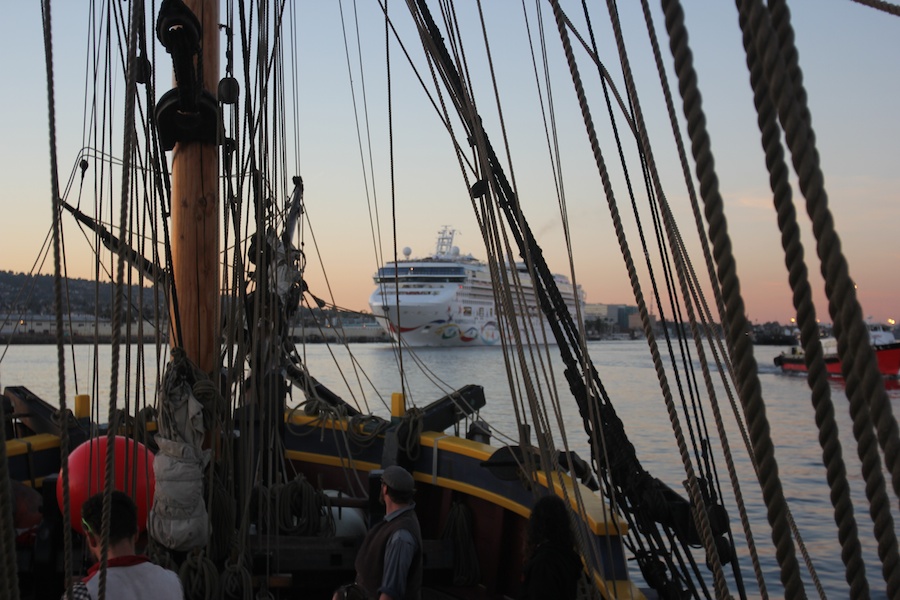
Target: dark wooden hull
(450,472)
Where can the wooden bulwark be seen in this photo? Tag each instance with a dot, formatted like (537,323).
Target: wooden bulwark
(451,469)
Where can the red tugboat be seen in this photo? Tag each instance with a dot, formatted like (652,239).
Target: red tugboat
(887,352)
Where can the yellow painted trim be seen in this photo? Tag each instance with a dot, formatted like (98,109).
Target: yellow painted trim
(38,482)
(331,461)
(598,515)
(299,418)
(40,441)
(618,589)
(457,445)
(596,512)
(450,484)
(608,589)
(477,492)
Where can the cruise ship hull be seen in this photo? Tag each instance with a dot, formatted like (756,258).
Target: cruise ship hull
(425,325)
(443,332)
(448,300)
(434,316)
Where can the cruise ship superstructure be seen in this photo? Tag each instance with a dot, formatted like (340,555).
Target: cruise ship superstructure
(447,299)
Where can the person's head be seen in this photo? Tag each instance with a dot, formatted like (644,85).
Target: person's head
(123,524)
(549,522)
(398,484)
(27,507)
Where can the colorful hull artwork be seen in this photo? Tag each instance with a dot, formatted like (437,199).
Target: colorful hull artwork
(441,332)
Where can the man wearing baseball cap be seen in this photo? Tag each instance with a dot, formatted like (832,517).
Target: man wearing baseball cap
(389,563)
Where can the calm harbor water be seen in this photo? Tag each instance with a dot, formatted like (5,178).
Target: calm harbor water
(628,375)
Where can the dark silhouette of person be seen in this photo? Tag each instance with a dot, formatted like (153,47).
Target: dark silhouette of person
(552,566)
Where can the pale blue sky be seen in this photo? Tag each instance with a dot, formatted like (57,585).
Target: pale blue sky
(850,56)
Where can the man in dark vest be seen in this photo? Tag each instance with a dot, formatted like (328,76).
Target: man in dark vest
(389,563)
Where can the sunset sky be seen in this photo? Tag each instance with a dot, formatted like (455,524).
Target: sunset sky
(850,56)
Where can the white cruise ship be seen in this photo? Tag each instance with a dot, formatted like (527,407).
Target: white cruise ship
(447,299)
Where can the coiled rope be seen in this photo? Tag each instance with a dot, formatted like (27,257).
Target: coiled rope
(199,577)
(236,582)
(160,555)
(292,508)
(298,507)
(413,422)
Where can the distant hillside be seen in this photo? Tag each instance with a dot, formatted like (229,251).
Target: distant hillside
(21,293)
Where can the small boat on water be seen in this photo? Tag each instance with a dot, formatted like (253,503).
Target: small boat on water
(884,344)
(448,298)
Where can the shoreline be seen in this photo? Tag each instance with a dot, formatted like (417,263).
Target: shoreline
(31,339)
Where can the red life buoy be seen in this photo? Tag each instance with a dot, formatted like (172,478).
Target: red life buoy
(133,469)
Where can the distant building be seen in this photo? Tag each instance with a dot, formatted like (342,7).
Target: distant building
(340,328)
(594,312)
(620,314)
(616,317)
(634,321)
(75,326)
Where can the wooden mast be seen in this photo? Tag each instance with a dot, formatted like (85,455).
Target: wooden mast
(195,218)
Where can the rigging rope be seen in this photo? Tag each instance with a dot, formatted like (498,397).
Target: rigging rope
(694,203)
(865,386)
(808,323)
(524,239)
(128,150)
(881,5)
(60,354)
(845,303)
(666,269)
(696,498)
(538,405)
(222,515)
(671,227)
(748,380)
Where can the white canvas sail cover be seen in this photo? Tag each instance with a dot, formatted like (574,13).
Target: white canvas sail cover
(178,519)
